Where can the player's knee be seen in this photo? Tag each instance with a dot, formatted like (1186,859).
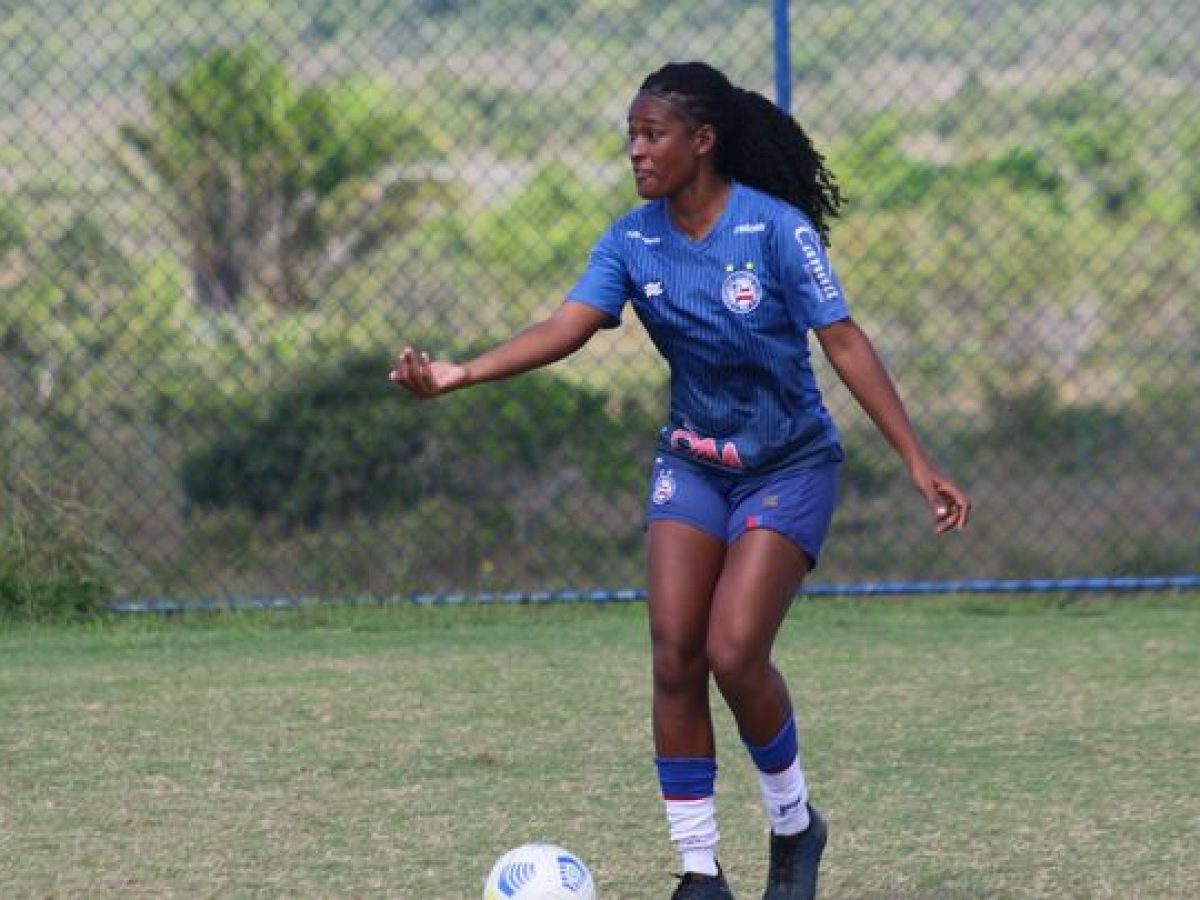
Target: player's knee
(736,665)
(678,666)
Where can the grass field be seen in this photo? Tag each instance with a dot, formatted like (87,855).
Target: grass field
(962,748)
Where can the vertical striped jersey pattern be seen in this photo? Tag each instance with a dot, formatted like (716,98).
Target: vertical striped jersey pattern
(731,314)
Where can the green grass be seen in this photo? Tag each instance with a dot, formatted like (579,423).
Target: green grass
(962,748)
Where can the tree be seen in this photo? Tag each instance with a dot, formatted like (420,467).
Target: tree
(272,186)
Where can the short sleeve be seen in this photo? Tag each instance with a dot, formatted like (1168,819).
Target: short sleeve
(605,283)
(811,287)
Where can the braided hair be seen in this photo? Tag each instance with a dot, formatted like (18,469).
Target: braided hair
(758,144)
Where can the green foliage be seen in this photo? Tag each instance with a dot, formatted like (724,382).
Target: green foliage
(874,157)
(336,442)
(63,282)
(883,175)
(273,185)
(1022,168)
(342,441)
(53,560)
(545,233)
(1100,136)
(12,228)
(1069,437)
(1189,150)
(516,123)
(1021,242)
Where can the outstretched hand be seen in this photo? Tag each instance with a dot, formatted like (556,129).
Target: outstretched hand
(948,502)
(424,377)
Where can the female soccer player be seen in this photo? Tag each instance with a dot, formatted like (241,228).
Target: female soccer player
(726,266)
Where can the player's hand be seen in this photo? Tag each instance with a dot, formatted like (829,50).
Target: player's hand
(424,377)
(948,502)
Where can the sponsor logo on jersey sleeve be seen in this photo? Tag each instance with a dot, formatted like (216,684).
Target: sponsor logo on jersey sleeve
(815,262)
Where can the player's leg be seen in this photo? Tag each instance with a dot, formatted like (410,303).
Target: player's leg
(777,528)
(760,577)
(763,569)
(682,567)
(685,551)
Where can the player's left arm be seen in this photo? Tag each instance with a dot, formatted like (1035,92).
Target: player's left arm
(853,357)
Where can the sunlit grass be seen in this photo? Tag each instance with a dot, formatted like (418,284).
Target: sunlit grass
(961,748)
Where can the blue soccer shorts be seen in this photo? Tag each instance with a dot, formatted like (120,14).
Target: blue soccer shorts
(797,502)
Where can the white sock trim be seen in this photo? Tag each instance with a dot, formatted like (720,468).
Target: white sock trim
(693,828)
(702,862)
(785,799)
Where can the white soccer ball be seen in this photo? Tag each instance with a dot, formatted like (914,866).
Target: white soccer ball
(539,871)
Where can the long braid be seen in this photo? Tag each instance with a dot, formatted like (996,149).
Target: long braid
(758,144)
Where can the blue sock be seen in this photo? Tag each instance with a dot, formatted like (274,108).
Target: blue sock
(780,753)
(686,777)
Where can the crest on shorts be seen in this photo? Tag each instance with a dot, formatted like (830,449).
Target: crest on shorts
(741,292)
(664,488)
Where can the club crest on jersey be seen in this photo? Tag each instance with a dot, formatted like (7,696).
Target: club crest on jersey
(664,488)
(741,292)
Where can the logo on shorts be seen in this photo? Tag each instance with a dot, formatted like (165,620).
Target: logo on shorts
(741,292)
(664,488)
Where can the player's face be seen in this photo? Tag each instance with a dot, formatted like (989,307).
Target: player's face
(665,147)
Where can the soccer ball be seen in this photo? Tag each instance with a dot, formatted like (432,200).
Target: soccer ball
(539,871)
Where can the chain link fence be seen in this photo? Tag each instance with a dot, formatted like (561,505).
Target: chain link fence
(218,222)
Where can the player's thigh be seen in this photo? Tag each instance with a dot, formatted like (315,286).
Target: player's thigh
(758,581)
(683,563)
(777,526)
(687,511)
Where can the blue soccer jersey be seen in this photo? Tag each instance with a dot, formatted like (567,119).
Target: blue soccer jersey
(730,313)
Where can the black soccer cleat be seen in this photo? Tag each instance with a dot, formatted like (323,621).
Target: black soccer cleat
(694,886)
(795,859)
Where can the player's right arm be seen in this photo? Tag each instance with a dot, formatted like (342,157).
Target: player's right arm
(567,329)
